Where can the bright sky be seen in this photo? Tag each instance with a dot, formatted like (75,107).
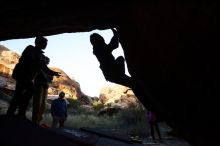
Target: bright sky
(72,52)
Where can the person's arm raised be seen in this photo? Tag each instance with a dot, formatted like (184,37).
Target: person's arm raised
(114,43)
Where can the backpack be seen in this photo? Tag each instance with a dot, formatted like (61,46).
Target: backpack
(17,72)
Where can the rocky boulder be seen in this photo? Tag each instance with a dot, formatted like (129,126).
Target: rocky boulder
(119,95)
(8,59)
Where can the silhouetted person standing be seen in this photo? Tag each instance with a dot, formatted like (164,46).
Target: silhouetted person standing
(151,117)
(41,85)
(24,73)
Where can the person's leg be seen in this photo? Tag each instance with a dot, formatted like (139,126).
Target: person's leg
(152,131)
(16,99)
(61,122)
(114,71)
(23,105)
(36,103)
(120,64)
(55,122)
(42,103)
(158,130)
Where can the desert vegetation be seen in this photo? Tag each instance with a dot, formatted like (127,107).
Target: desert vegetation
(126,121)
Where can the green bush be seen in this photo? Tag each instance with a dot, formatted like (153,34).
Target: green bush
(97,106)
(91,121)
(81,110)
(73,103)
(130,116)
(127,121)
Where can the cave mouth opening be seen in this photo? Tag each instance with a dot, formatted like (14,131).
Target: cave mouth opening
(62,48)
(72,53)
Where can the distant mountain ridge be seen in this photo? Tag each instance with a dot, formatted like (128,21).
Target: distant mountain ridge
(3,48)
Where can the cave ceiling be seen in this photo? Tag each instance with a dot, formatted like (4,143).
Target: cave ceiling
(29,19)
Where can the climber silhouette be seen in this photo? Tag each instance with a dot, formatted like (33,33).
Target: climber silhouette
(113,69)
(30,63)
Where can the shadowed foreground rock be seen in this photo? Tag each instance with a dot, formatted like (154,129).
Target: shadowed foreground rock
(17,131)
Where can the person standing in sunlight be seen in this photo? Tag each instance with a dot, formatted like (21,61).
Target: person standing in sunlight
(59,111)
(41,85)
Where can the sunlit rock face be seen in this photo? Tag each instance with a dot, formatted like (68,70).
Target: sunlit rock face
(118,95)
(8,59)
(171,49)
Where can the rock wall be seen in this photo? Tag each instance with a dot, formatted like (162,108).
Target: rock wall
(5,71)
(118,95)
(171,50)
